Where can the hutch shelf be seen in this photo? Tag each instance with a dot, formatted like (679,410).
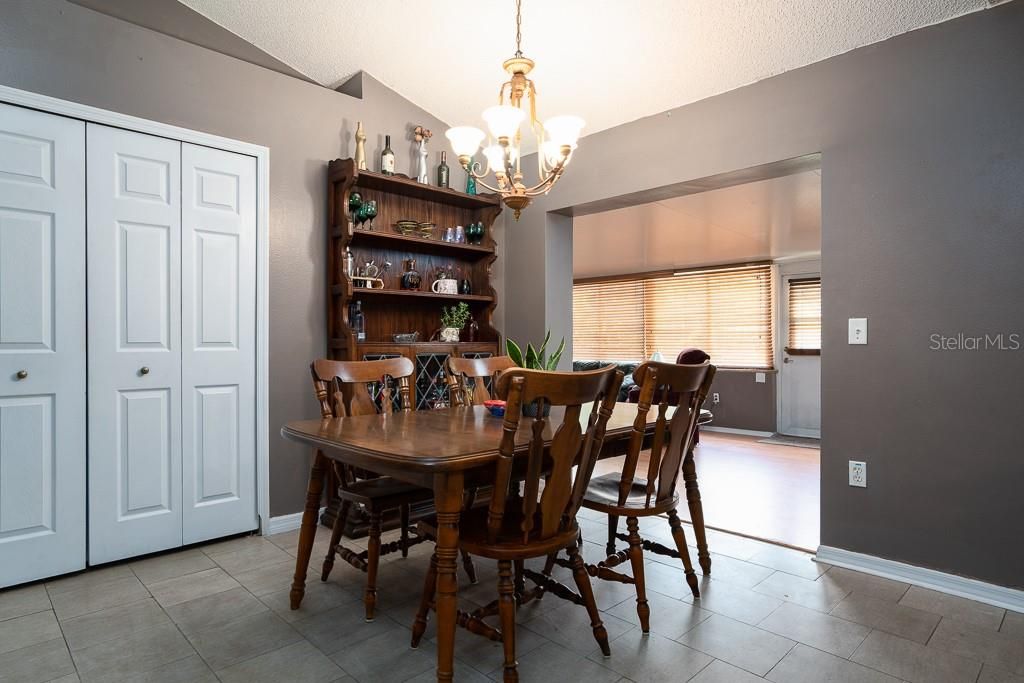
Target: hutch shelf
(393,310)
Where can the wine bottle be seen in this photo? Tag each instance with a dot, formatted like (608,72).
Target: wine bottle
(442,171)
(387,158)
(359,322)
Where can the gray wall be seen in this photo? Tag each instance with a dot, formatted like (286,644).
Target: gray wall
(66,51)
(923,231)
(745,404)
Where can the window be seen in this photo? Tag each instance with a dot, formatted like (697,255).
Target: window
(804,312)
(727,312)
(608,320)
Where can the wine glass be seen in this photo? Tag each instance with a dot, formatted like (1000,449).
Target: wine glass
(355,200)
(371,210)
(361,215)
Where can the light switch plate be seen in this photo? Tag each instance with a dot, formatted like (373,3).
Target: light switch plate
(858,331)
(759,377)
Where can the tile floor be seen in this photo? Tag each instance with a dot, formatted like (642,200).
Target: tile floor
(220,612)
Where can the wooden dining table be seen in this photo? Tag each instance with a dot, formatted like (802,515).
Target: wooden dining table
(443,450)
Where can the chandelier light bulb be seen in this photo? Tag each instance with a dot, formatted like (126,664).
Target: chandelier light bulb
(564,130)
(465,140)
(495,157)
(503,120)
(552,152)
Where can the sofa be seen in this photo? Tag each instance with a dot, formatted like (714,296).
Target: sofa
(626,369)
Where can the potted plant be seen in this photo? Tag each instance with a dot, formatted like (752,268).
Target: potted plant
(453,319)
(535,359)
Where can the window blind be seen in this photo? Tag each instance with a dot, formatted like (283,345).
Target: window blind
(726,311)
(608,320)
(804,312)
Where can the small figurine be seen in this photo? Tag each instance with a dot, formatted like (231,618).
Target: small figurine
(360,146)
(421,135)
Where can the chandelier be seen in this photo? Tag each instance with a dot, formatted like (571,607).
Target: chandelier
(556,138)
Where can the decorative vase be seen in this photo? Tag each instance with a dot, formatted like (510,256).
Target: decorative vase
(422,174)
(465,287)
(470,183)
(450,334)
(411,278)
(360,147)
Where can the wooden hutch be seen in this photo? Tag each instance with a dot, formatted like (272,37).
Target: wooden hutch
(394,310)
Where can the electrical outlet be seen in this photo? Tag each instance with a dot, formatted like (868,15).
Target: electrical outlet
(858,473)
(715,398)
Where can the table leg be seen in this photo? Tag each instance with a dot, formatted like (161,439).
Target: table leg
(307,532)
(696,512)
(448,503)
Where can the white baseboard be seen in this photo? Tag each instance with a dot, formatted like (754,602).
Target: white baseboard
(283,523)
(733,430)
(972,589)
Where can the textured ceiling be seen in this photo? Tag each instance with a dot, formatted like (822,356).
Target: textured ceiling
(778,218)
(610,61)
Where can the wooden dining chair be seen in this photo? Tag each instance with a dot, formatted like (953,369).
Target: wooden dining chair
(460,371)
(534,515)
(343,389)
(654,492)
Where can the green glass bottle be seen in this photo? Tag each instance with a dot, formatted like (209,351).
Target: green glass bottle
(443,171)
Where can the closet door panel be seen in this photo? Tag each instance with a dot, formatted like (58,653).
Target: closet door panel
(134,260)
(42,345)
(218,340)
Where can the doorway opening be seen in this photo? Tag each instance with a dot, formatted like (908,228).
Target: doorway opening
(730,265)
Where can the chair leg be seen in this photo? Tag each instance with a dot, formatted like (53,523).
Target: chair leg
(519,580)
(403,512)
(696,512)
(549,566)
(507,610)
(336,531)
(426,600)
(372,563)
(467,564)
(579,573)
(613,528)
(636,559)
(684,553)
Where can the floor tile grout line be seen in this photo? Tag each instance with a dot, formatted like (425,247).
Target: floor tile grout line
(795,644)
(934,629)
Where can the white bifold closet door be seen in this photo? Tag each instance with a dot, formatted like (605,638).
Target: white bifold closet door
(42,345)
(134,292)
(218,331)
(171,230)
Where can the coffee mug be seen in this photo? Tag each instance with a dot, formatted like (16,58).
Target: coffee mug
(445,286)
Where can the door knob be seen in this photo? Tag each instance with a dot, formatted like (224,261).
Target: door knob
(21,374)
(143,370)
(787,359)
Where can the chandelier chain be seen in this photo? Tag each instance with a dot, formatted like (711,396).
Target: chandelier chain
(519,33)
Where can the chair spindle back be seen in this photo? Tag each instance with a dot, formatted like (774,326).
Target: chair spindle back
(673,437)
(548,511)
(341,386)
(460,370)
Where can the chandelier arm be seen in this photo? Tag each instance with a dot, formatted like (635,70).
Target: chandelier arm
(473,169)
(551,178)
(491,188)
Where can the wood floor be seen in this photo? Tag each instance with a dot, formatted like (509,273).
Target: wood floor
(765,491)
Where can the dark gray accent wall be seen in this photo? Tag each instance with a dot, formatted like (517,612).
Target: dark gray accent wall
(923,232)
(63,50)
(745,404)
